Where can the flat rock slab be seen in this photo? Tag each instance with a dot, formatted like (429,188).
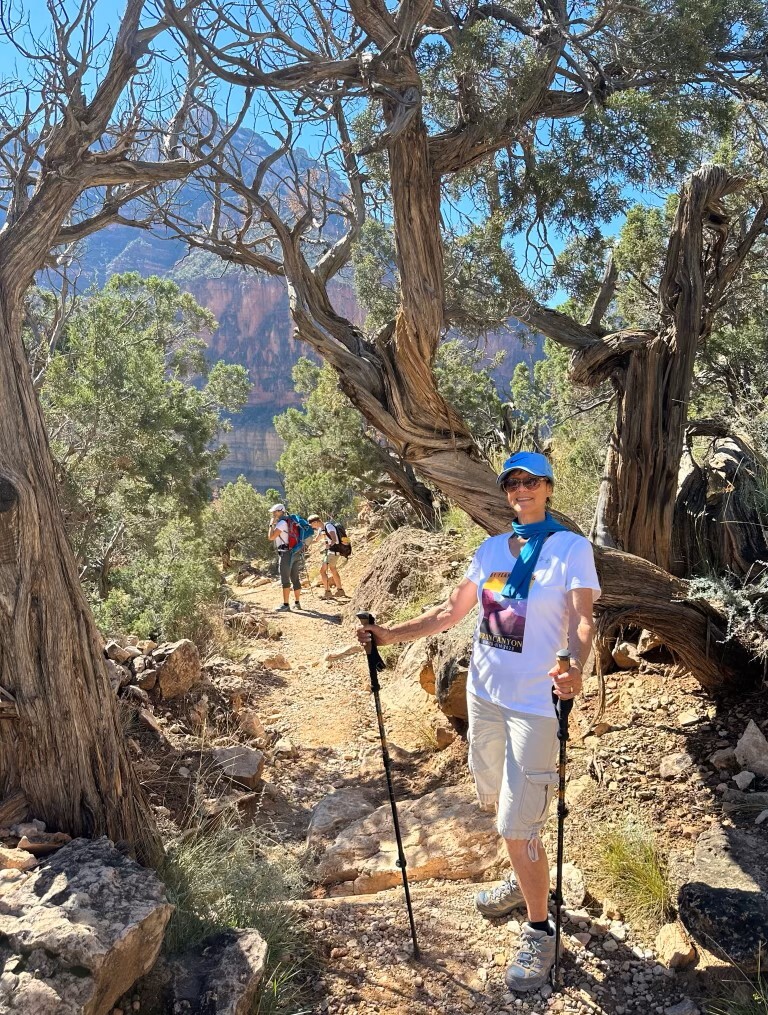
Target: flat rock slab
(336,811)
(445,835)
(79,932)
(724,906)
(221,976)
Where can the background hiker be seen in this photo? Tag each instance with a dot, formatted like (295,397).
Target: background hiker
(337,549)
(289,557)
(535,588)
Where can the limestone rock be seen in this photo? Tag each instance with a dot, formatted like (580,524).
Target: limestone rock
(115,651)
(752,750)
(284,748)
(16,859)
(335,811)
(43,843)
(724,758)
(355,648)
(180,669)
(744,779)
(675,765)
(147,679)
(450,653)
(724,906)
(221,976)
(119,675)
(416,665)
(684,1007)
(251,724)
(445,835)
(625,656)
(574,888)
(79,932)
(272,660)
(243,765)
(673,947)
(647,642)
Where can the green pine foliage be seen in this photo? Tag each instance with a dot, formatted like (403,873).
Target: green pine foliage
(332,456)
(165,591)
(236,522)
(134,412)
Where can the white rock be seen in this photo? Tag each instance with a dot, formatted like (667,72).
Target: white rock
(80,931)
(684,1007)
(675,765)
(752,750)
(743,779)
(243,765)
(673,946)
(445,835)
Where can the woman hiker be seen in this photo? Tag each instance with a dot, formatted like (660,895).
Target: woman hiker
(289,560)
(331,560)
(535,588)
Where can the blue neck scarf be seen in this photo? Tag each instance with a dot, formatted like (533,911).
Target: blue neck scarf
(519,580)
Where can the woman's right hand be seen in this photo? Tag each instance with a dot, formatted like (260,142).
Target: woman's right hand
(382,635)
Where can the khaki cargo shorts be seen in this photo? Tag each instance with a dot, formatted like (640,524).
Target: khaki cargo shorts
(513,760)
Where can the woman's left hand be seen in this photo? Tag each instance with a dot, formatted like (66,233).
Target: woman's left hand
(568,684)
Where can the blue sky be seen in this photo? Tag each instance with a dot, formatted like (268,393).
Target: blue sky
(107,15)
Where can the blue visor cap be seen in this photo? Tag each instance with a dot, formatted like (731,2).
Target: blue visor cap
(528,461)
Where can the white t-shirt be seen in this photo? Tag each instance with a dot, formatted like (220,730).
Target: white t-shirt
(282,529)
(517,640)
(331,535)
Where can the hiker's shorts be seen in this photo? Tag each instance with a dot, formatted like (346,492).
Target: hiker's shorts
(334,559)
(513,760)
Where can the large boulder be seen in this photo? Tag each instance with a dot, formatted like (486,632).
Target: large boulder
(724,906)
(79,932)
(445,835)
(179,669)
(221,976)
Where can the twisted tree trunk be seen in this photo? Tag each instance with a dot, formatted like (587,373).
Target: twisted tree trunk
(60,739)
(652,374)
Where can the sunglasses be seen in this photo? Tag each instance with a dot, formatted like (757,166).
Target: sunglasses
(531,483)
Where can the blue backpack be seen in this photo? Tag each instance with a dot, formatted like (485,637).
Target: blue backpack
(299,531)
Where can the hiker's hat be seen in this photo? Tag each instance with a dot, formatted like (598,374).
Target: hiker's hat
(313,518)
(276,507)
(527,461)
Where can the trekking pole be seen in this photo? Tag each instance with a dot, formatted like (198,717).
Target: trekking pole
(562,711)
(375,665)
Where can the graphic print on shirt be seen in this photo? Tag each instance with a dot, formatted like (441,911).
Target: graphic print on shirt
(503,621)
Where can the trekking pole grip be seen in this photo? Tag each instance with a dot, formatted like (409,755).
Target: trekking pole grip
(375,663)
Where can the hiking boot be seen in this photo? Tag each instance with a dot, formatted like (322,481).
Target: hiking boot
(341,594)
(297,605)
(501,899)
(282,609)
(533,961)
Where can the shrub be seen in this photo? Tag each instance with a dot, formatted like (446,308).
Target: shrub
(228,879)
(166,594)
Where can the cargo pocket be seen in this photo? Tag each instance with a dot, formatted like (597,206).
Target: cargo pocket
(538,792)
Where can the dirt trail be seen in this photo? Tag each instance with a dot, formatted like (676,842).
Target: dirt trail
(319,705)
